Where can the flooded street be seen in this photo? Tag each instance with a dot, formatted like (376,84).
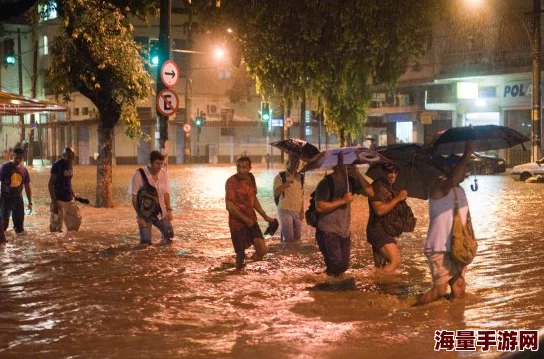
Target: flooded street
(94,294)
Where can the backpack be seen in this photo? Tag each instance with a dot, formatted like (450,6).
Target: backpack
(400,219)
(148,199)
(311,215)
(283,179)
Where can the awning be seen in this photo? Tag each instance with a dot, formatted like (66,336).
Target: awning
(11,104)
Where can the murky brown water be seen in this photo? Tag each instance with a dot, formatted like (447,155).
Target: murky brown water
(92,294)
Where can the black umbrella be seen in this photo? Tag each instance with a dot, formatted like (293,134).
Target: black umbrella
(293,146)
(416,171)
(485,137)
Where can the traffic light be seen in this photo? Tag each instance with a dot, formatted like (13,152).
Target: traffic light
(265,111)
(9,53)
(154,52)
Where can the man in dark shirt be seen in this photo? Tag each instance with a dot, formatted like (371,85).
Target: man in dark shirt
(63,204)
(14,177)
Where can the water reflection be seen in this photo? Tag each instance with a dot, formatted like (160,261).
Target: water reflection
(95,293)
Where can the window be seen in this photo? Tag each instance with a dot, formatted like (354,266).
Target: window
(308,130)
(45,45)
(85,111)
(487,92)
(76,111)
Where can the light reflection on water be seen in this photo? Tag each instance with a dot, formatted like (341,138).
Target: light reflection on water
(93,294)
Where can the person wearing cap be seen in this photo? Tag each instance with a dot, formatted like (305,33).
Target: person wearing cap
(442,196)
(333,197)
(241,203)
(14,176)
(288,189)
(63,204)
(384,245)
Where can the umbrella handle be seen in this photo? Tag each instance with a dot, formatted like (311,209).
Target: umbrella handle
(474,187)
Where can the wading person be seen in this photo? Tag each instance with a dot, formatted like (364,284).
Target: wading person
(150,190)
(63,203)
(289,196)
(384,245)
(333,204)
(242,202)
(442,196)
(14,177)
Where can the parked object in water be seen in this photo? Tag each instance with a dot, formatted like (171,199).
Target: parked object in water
(482,164)
(524,171)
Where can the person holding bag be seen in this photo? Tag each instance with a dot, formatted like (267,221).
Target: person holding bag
(445,196)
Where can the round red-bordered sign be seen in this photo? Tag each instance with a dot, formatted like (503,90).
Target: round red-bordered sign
(167,102)
(169,73)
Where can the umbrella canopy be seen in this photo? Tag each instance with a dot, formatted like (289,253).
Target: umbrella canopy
(293,146)
(486,137)
(354,155)
(11,104)
(416,171)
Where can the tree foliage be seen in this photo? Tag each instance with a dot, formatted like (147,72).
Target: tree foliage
(334,49)
(95,54)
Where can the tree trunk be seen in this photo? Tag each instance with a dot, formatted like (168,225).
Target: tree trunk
(104,186)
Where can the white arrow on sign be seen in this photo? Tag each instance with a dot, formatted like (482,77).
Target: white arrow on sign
(167,102)
(169,73)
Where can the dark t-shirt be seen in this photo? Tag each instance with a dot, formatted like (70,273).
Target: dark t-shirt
(13,178)
(63,184)
(382,193)
(339,220)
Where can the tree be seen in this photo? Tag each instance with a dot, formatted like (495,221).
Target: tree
(334,49)
(96,55)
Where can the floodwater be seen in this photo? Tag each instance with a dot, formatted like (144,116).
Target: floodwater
(95,294)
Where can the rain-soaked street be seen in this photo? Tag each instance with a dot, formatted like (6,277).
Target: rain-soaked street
(94,294)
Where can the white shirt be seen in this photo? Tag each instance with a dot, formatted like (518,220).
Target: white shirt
(162,185)
(441,220)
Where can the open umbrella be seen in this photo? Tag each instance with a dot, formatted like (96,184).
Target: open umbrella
(354,155)
(293,146)
(485,137)
(416,171)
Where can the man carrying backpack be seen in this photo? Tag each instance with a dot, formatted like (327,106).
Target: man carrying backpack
(150,190)
(289,197)
(334,210)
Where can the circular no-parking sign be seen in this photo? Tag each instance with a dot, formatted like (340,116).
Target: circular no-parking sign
(186,127)
(167,102)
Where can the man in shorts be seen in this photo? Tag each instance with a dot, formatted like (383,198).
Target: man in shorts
(442,197)
(63,203)
(242,202)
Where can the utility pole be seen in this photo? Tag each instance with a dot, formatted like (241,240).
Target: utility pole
(536,113)
(20,73)
(188,86)
(164,54)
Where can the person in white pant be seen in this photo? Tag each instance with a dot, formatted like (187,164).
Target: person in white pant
(288,189)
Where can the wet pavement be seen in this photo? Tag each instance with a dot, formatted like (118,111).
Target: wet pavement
(96,293)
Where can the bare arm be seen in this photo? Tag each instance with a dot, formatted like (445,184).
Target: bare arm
(257,206)
(329,206)
(28,191)
(382,208)
(168,206)
(368,191)
(443,185)
(236,213)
